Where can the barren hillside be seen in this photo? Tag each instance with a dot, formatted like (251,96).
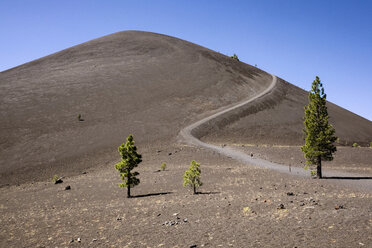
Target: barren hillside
(143,83)
(277,119)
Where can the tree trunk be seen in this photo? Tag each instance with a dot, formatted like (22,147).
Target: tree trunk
(128,183)
(128,192)
(319,168)
(194,189)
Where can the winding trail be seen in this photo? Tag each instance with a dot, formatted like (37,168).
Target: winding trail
(187,136)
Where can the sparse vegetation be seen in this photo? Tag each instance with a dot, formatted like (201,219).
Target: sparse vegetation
(163,166)
(319,133)
(129,160)
(235,57)
(313,173)
(370,144)
(55,178)
(356,145)
(192,176)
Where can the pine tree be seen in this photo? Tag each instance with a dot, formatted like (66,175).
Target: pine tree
(129,160)
(319,133)
(192,176)
(235,57)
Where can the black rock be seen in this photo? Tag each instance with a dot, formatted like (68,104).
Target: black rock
(58,181)
(281,206)
(68,187)
(290,193)
(339,207)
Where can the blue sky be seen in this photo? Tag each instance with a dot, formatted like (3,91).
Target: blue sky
(295,40)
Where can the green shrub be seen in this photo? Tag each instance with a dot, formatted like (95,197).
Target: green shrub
(235,57)
(356,145)
(163,166)
(370,144)
(55,178)
(313,173)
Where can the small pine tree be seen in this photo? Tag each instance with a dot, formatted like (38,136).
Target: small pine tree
(235,57)
(192,176)
(163,166)
(319,133)
(129,160)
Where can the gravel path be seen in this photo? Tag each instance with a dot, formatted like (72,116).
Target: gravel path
(187,136)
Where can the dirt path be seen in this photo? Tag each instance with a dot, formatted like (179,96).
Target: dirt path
(187,136)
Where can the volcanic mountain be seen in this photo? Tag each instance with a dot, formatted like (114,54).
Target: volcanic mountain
(147,84)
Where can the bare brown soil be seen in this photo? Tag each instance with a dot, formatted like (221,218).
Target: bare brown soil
(147,84)
(277,119)
(239,206)
(143,83)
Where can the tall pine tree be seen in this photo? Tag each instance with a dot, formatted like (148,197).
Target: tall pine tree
(129,160)
(319,133)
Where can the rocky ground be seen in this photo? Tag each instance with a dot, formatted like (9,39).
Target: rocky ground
(238,206)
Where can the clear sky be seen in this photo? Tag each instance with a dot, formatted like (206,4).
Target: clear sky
(295,40)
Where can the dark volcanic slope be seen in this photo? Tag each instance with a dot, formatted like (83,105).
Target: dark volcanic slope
(143,83)
(277,119)
(147,84)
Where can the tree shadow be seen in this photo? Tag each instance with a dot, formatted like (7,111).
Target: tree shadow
(151,194)
(207,193)
(349,178)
